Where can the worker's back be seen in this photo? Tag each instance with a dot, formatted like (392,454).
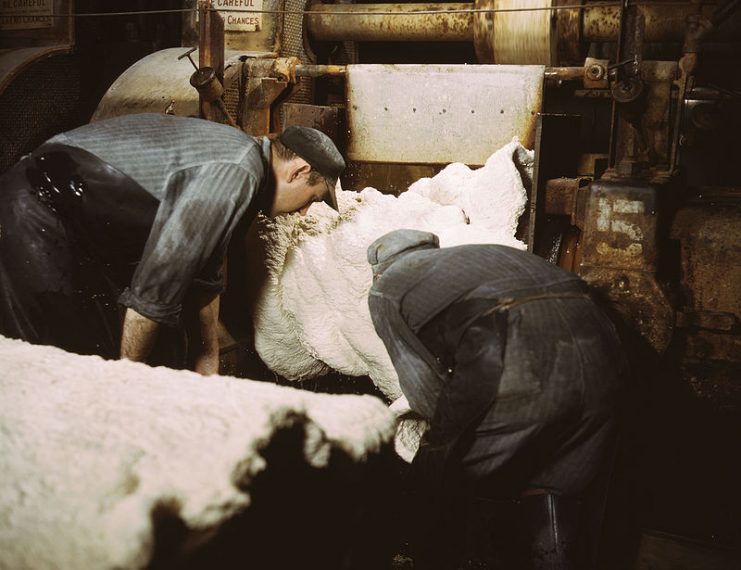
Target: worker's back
(151,147)
(517,371)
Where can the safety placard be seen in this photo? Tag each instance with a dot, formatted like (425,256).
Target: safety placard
(240,15)
(26,14)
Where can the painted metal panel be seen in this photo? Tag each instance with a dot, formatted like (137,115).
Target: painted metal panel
(433,114)
(157,83)
(152,85)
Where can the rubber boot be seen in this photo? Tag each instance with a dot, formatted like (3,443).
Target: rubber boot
(539,532)
(555,531)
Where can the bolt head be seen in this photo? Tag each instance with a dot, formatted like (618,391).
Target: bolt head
(595,72)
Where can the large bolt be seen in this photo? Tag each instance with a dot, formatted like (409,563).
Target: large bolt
(627,89)
(595,72)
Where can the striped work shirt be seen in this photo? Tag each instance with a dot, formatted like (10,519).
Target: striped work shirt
(204,175)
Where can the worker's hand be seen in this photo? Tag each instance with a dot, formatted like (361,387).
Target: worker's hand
(139,334)
(207,359)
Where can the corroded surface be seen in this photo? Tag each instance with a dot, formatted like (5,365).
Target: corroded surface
(620,237)
(709,318)
(372,22)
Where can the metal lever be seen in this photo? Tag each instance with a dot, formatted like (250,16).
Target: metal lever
(187,54)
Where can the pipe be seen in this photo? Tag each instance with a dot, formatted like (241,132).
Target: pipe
(320,70)
(551,74)
(555,74)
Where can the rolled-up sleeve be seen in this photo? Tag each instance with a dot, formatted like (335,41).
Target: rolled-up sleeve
(192,228)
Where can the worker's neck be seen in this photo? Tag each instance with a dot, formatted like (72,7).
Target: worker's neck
(278,165)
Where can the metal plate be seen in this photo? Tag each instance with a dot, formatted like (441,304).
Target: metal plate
(432,114)
(319,117)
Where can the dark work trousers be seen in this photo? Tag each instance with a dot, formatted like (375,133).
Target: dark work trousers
(53,291)
(68,247)
(551,427)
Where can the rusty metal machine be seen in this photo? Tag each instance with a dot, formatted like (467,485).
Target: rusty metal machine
(632,108)
(39,75)
(629,118)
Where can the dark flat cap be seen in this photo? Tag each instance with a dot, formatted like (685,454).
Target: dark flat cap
(319,151)
(386,249)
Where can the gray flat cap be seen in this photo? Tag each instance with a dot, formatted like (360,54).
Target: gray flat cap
(319,151)
(386,249)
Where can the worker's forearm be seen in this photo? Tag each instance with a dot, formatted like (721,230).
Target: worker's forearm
(207,363)
(139,334)
(207,359)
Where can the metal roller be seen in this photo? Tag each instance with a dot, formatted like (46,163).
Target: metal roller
(514,37)
(546,35)
(391,22)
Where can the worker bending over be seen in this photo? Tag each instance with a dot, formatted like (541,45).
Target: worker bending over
(138,211)
(517,372)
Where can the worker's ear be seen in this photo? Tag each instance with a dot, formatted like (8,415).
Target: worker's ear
(299,168)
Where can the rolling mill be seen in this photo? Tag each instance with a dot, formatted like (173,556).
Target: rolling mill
(631,109)
(621,139)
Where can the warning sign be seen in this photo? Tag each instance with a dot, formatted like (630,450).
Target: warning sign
(26,14)
(240,15)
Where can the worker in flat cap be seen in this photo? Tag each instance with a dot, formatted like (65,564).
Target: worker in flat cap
(518,372)
(114,234)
